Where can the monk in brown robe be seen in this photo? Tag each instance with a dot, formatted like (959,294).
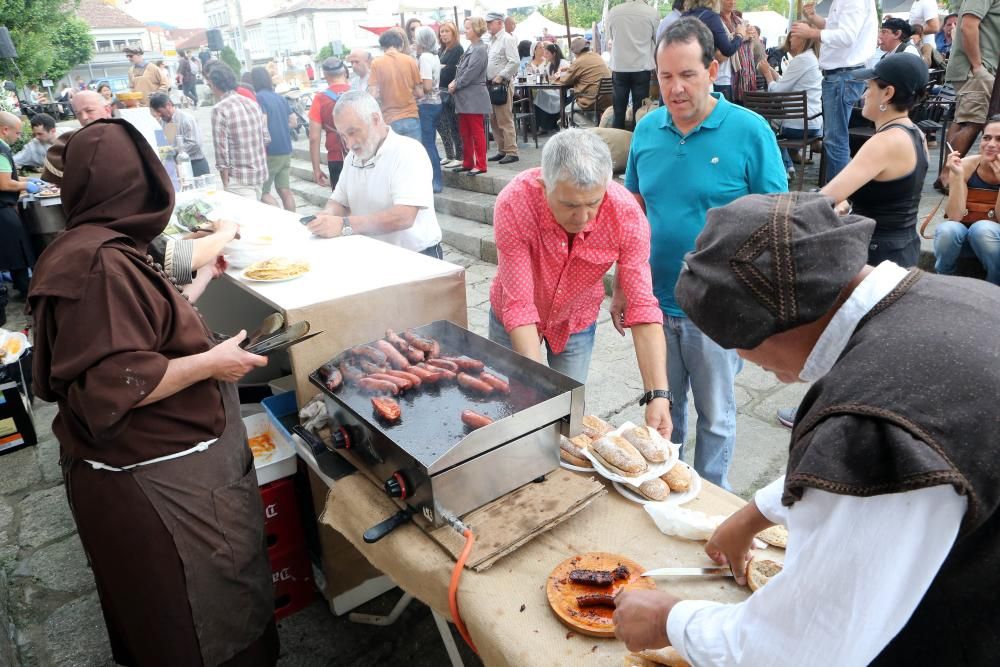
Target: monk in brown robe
(154,454)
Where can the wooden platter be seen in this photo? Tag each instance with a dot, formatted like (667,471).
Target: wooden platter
(562,593)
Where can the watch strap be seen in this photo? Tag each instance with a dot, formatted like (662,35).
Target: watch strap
(657,393)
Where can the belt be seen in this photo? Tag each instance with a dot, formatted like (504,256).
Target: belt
(828,72)
(200,447)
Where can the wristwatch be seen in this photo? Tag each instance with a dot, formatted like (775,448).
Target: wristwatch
(657,393)
(346,230)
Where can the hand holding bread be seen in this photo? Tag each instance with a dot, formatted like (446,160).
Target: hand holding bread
(731,542)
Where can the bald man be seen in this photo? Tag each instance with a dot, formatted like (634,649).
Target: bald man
(361,63)
(88,106)
(15,247)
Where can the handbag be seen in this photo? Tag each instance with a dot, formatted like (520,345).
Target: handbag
(498,93)
(980,204)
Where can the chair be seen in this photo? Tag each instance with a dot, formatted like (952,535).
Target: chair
(604,99)
(933,116)
(778,107)
(524,118)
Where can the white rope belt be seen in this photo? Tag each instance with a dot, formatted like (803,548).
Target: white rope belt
(200,447)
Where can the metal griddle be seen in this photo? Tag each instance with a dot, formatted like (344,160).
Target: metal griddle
(447,469)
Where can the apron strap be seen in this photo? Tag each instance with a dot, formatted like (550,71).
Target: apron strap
(200,447)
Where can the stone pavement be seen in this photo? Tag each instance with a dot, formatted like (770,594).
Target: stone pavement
(48,604)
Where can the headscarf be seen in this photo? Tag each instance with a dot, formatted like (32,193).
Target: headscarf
(113,187)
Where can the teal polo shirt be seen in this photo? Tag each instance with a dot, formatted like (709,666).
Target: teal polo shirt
(732,153)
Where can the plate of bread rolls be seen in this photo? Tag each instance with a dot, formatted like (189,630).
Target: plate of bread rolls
(679,485)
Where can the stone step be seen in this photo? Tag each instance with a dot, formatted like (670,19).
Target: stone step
(472,238)
(474,206)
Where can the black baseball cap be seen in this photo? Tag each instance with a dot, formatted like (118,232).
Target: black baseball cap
(905,72)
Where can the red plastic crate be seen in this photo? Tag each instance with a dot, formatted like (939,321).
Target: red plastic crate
(282,520)
(291,575)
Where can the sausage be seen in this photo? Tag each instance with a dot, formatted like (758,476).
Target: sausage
(443,374)
(374,386)
(466,363)
(620,572)
(444,363)
(413,355)
(392,355)
(369,367)
(435,350)
(399,382)
(475,420)
(496,382)
(426,375)
(395,340)
(386,408)
(466,381)
(331,376)
(413,378)
(596,600)
(351,372)
(418,341)
(592,577)
(370,353)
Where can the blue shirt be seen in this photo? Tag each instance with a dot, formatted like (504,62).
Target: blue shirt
(276,108)
(680,177)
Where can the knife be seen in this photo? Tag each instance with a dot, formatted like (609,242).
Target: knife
(689,572)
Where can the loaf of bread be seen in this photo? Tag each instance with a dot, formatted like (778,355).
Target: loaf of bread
(571,450)
(595,427)
(654,489)
(619,456)
(776,536)
(759,572)
(641,438)
(651,658)
(678,478)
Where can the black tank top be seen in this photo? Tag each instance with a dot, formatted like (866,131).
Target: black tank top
(976,181)
(893,204)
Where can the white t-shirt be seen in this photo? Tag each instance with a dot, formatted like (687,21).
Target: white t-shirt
(430,68)
(398,175)
(923,11)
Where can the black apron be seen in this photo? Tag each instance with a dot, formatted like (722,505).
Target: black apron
(15,246)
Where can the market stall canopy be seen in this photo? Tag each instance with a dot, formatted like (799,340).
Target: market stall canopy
(773,26)
(899,8)
(531,28)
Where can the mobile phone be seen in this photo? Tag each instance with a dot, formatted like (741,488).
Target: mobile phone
(306,220)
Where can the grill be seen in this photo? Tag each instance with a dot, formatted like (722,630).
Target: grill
(430,460)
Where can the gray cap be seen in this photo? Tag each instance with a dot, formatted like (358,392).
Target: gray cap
(769,263)
(332,64)
(494,16)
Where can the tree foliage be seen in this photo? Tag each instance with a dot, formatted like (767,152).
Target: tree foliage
(228,56)
(584,12)
(49,39)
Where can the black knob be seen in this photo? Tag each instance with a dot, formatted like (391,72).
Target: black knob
(396,486)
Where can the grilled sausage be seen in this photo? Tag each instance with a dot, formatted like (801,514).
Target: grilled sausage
(418,341)
(392,355)
(475,420)
(413,355)
(435,350)
(426,375)
(620,572)
(351,372)
(466,381)
(596,600)
(395,340)
(370,353)
(496,382)
(386,408)
(444,363)
(444,374)
(368,367)
(399,382)
(374,386)
(330,375)
(592,577)
(413,378)
(466,363)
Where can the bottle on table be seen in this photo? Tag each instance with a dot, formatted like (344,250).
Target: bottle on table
(185,173)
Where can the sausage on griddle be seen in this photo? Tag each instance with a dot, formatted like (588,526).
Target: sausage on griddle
(373,386)
(496,382)
(475,420)
(413,355)
(399,382)
(426,375)
(370,353)
(591,577)
(444,363)
(370,367)
(386,408)
(466,381)
(330,375)
(413,378)
(392,355)
(418,341)
(435,350)
(395,340)
(351,372)
(466,363)
(443,374)
(596,600)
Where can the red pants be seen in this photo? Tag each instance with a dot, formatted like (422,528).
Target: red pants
(470,126)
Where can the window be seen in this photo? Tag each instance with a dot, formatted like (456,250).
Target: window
(135,43)
(119,45)
(104,46)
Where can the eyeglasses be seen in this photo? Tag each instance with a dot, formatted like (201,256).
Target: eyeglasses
(362,165)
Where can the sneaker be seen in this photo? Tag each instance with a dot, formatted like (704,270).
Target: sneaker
(453,163)
(497,157)
(508,159)
(786,417)
(445,161)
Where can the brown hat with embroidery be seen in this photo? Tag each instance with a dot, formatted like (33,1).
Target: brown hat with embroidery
(769,263)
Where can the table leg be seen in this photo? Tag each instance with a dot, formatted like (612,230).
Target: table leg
(372,619)
(448,639)
(562,107)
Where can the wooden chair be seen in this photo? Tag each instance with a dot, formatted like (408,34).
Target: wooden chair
(933,116)
(604,99)
(778,107)
(524,118)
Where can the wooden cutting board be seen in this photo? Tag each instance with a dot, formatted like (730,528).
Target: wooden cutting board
(562,593)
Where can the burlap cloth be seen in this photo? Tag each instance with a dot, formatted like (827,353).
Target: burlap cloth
(505,607)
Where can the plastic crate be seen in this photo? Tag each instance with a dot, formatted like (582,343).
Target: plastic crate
(292,578)
(278,407)
(282,519)
(282,462)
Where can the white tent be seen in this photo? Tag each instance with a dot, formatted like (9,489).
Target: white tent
(531,28)
(773,26)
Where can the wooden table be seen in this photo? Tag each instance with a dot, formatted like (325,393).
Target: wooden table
(563,89)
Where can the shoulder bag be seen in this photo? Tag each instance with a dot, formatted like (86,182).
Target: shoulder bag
(498,93)
(980,204)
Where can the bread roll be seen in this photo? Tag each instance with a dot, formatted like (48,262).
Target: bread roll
(632,660)
(759,572)
(571,451)
(678,478)
(642,438)
(654,489)
(619,456)
(664,656)
(595,427)
(776,536)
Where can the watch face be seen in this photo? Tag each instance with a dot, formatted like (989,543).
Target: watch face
(346,230)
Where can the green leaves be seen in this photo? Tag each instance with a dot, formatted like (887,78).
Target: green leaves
(49,39)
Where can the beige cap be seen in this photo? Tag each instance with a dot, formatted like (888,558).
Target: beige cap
(578,45)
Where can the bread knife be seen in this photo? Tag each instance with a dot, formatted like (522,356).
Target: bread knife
(690,572)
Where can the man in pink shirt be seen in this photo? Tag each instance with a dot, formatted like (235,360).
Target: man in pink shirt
(558,231)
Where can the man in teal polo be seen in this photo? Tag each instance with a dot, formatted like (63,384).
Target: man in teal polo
(696,153)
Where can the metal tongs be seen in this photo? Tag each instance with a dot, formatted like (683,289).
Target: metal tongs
(272,335)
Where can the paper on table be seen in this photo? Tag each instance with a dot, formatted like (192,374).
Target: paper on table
(654,469)
(680,522)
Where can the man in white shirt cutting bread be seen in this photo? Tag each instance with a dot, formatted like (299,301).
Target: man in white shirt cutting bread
(890,495)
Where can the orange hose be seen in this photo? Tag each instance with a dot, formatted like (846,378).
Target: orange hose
(456,574)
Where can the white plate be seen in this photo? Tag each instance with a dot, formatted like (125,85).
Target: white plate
(25,344)
(673,499)
(570,466)
(653,470)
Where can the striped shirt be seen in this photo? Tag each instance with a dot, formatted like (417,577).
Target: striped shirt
(240,136)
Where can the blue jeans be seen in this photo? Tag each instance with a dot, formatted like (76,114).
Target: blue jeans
(428,137)
(840,94)
(573,361)
(982,240)
(793,133)
(408,127)
(695,360)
